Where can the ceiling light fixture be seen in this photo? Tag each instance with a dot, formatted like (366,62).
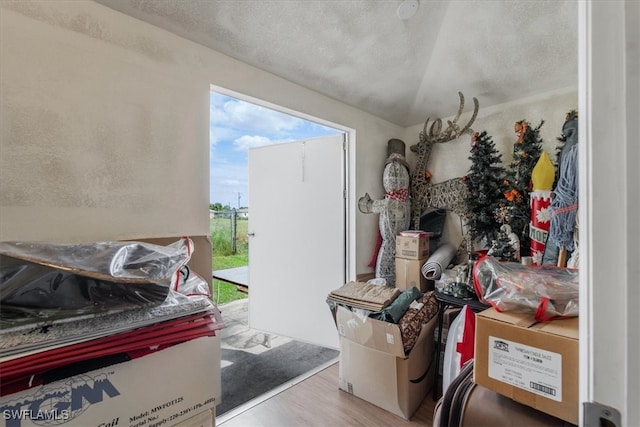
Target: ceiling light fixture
(407,9)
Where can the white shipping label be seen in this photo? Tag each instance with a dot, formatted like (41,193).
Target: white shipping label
(529,368)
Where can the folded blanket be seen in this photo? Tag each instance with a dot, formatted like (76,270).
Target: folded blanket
(398,307)
(364,295)
(411,322)
(438,262)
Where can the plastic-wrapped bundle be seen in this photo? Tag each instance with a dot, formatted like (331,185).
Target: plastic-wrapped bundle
(545,291)
(51,280)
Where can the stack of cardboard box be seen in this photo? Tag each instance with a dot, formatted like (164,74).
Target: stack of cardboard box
(148,366)
(412,251)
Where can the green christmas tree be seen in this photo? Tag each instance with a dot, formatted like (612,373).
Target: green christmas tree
(514,208)
(484,183)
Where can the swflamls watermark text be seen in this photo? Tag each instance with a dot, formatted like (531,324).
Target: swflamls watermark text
(40,415)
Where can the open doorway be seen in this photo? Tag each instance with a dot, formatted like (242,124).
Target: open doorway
(236,126)
(255,364)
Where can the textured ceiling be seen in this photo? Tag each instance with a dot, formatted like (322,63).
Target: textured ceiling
(361,53)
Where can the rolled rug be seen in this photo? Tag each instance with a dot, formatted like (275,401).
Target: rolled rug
(438,261)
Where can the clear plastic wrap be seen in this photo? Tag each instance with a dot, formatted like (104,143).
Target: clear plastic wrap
(51,280)
(545,291)
(189,295)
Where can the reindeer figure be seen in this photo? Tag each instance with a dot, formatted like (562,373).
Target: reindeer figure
(449,194)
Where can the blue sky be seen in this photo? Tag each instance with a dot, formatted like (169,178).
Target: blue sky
(234,127)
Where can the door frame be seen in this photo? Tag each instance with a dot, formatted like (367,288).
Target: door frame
(609,207)
(349,170)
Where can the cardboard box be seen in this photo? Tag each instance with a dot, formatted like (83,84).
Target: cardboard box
(160,389)
(533,363)
(409,275)
(412,247)
(374,367)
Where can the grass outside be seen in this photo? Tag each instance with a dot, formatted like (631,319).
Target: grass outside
(223,256)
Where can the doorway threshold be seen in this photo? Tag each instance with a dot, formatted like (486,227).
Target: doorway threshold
(266,396)
(256,365)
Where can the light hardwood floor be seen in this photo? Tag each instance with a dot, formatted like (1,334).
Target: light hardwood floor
(317,401)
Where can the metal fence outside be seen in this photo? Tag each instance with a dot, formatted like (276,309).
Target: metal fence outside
(229,230)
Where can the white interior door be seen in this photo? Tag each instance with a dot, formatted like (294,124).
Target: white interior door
(297,237)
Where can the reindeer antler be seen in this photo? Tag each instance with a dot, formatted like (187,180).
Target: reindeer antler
(436,134)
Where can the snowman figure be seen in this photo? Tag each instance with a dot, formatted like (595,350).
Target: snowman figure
(513,240)
(394,208)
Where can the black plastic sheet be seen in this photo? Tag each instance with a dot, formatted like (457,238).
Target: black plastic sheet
(52,280)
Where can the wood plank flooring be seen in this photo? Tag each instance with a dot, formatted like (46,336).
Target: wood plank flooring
(317,401)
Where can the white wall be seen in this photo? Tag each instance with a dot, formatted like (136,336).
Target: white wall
(105,127)
(451,159)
